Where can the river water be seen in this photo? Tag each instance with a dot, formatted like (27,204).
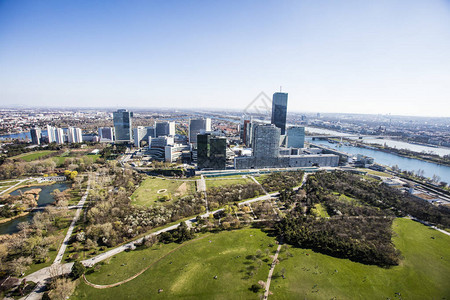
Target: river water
(390,159)
(390,143)
(45,198)
(20,136)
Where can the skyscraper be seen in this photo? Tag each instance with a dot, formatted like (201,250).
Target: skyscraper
(139,134)
(51,134)
(197,126)
(296,137)
(266,142)
(74,135)
(122,125)
(59,135)
(279,111)
(165,129)
(36,135)
(211,152)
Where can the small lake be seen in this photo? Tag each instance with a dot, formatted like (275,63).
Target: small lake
(45,198)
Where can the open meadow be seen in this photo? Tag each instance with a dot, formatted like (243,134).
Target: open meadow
(226,180)
(188,270)
(158,190)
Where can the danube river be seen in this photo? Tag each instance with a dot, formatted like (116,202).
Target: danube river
(390,159)
(390,143)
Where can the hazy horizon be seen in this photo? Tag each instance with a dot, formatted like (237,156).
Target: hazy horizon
(388,57)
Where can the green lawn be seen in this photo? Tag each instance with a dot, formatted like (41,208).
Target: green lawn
(147,193)
(424,272)
(33,155)
(350,200)
(321,210)
(229,180)
(188,272)
(60,159)
(261,178)
(377,173)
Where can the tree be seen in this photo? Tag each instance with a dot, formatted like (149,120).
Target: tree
(62,289)
(20,265)
(78,270)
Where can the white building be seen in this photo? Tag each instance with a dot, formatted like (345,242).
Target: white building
(59,135)
(74,135)
(51,134)
(139,134)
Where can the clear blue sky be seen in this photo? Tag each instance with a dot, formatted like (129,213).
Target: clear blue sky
(330,56)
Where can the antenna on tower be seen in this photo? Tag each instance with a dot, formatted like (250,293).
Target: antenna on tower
(280,88)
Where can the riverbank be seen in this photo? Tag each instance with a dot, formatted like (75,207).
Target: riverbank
(324,131)
(433,158)
(2,221)
(31,185)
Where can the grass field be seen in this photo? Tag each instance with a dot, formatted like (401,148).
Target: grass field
(32,155)
(147,193)
(228,180)
(377,173)
(188,272)
(322,211)
(423,274)
(62,158)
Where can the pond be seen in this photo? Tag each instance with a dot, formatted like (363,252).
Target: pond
(45,198)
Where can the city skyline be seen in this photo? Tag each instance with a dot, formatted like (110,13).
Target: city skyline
(333,58)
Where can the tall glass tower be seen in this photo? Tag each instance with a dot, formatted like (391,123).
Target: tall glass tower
(279,111)
(122,125)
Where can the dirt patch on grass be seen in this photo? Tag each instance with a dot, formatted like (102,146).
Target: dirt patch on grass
(181,190)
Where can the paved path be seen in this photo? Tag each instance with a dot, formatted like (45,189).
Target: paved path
(41,276)
(258,183)
(102,286)
(272,267)
(11,187)
(201,185)
(64,244)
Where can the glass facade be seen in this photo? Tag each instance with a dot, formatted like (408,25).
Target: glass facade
(279,111)
(122,125)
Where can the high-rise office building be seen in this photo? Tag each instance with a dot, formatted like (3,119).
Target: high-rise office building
(139,134)
(266,141)
(51,134)
(211,152)
(74,135)
(59,135)
(296,137)
(123,125)
(197,126)
(36,135)
(106,134)
(165,129)
(151,132)
(279,111)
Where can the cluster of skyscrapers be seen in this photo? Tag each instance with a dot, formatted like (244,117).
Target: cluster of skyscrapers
(276,145)
(272,145)
(56,135)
